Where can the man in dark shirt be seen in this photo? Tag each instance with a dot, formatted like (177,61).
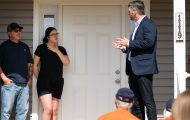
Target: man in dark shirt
(15,73)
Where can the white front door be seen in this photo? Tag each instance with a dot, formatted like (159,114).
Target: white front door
(91,78)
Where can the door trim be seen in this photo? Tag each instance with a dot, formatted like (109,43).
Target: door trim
(59,8)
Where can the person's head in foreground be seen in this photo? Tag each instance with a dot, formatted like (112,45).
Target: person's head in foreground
(124,98)
(181,106)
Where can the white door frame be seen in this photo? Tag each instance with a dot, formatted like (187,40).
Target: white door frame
(180,73)
(38,4)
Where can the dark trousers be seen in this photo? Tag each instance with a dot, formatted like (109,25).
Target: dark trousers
(142,88)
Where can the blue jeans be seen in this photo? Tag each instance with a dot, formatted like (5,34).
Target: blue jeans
(11,94)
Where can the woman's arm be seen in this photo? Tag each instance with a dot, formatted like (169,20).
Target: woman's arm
(35,66)
(64,58)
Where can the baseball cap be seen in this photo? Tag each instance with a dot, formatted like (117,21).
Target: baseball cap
(168,104)
(13,26)
(125,95)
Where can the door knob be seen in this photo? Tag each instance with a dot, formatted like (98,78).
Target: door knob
(117,72)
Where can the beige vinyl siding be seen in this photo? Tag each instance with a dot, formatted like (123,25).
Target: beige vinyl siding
(161,13)
(20,11)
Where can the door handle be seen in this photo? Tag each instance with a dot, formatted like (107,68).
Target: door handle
(117,81)
(117,72)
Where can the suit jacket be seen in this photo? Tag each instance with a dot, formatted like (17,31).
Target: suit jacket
(143,49)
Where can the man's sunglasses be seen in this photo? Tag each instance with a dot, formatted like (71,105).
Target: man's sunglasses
(20,30)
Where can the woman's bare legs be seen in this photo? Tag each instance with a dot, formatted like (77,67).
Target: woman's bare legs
(55,102)
(47,105)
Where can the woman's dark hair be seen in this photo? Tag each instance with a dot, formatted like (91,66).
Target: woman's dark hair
(47,33)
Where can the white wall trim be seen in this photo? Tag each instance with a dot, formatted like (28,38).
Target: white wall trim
(147,7)
(124,33)
(35,43)
(180,74)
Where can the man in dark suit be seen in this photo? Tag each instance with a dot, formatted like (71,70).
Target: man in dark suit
(141,62)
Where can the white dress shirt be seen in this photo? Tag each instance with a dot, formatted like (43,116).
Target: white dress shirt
(136,25)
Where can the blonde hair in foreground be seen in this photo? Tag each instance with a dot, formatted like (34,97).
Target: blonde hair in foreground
(181,106)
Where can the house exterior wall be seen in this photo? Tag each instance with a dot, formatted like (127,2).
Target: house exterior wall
(188,40)
(20,11)
(161,13)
